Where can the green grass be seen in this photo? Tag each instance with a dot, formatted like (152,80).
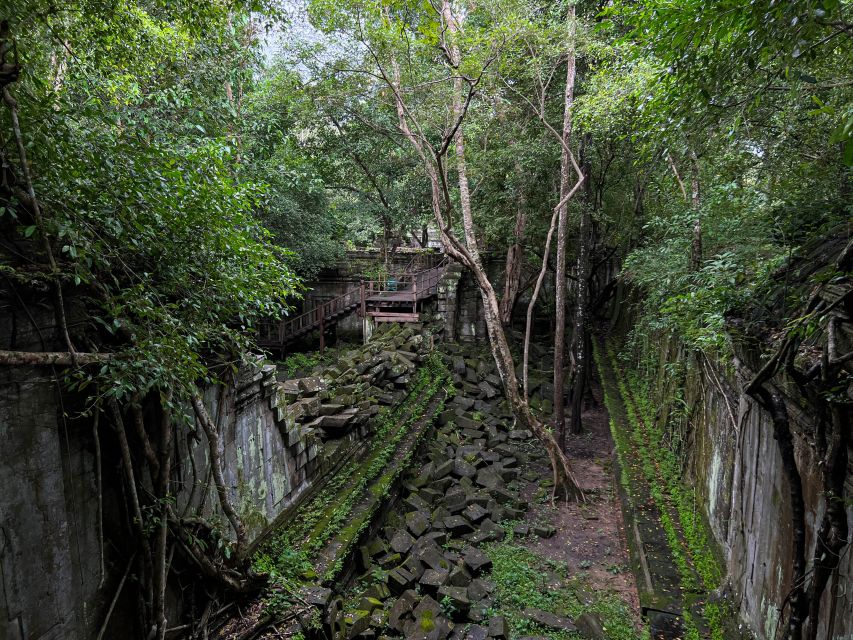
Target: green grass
(524,578)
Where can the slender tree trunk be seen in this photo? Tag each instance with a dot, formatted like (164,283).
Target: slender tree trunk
(468,253)
(562,233)
(160,551)
(696,246)
(212,432)
(514,261)
(581,339)
(563,477)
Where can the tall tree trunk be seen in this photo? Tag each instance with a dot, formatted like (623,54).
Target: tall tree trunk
(467,253)
(696,246)
(580,337)
(581,326)
(564,480)
(562,232)
(514,260)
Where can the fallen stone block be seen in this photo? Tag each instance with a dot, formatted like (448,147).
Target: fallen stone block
(399,580)
(549,620)
(414,566)
(442,469)
(476,560)
(402,541)
(389,560)
(430,554)
(455,502)
(476,632)
(417,522)
(458,597)
(432,579)
(474,513)
(459,577)
(357,622)
(457,525)
(590,627)
(489,479)
(402,609)
(416,502)
(487,391)
(378,590)
(318,596)
(462,469)
(498,628)
(543,530)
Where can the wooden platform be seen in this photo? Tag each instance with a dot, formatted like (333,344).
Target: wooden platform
(394,299)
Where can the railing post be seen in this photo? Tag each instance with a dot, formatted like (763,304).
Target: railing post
(322,329)
(363,301)
(414,294)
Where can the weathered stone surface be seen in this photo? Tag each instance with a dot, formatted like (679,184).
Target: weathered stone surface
(389,560)
(379,591)
(462,469)
(489,479)
(369,604)
(399,580)
(498,628)
(474,513)
(319,596)
(590,627)
(310,385)
(416,502)
(476,632)
(455,502)
(458,596)
(458,525)
(503,497)
(402,541)
(431,556)
(443,469)
(549,620)
(459,577)
(357,622)
(433,579)
(463,402)
(417,522)
(414,566)
(427,605)
(476,560)
(487,390)
(402,609)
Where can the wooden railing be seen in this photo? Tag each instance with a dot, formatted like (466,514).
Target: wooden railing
(405,289)
(280,332)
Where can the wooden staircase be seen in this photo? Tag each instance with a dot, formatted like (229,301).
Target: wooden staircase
(395,299)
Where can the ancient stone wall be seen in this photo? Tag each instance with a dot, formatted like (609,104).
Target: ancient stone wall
(734,463)
(280,437)
(279,440)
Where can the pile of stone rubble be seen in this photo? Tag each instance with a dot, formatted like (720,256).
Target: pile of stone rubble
(428,577)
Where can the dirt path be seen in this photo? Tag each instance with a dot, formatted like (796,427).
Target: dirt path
(590,537)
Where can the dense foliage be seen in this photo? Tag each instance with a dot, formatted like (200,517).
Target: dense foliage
(172,171)
(132,146)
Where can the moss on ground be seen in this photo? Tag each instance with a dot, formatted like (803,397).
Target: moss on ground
(289,555)
(645,456)
(523,578)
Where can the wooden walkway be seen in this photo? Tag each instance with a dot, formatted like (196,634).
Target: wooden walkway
(394,299)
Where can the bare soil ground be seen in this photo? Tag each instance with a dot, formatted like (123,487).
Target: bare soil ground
(590,537)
